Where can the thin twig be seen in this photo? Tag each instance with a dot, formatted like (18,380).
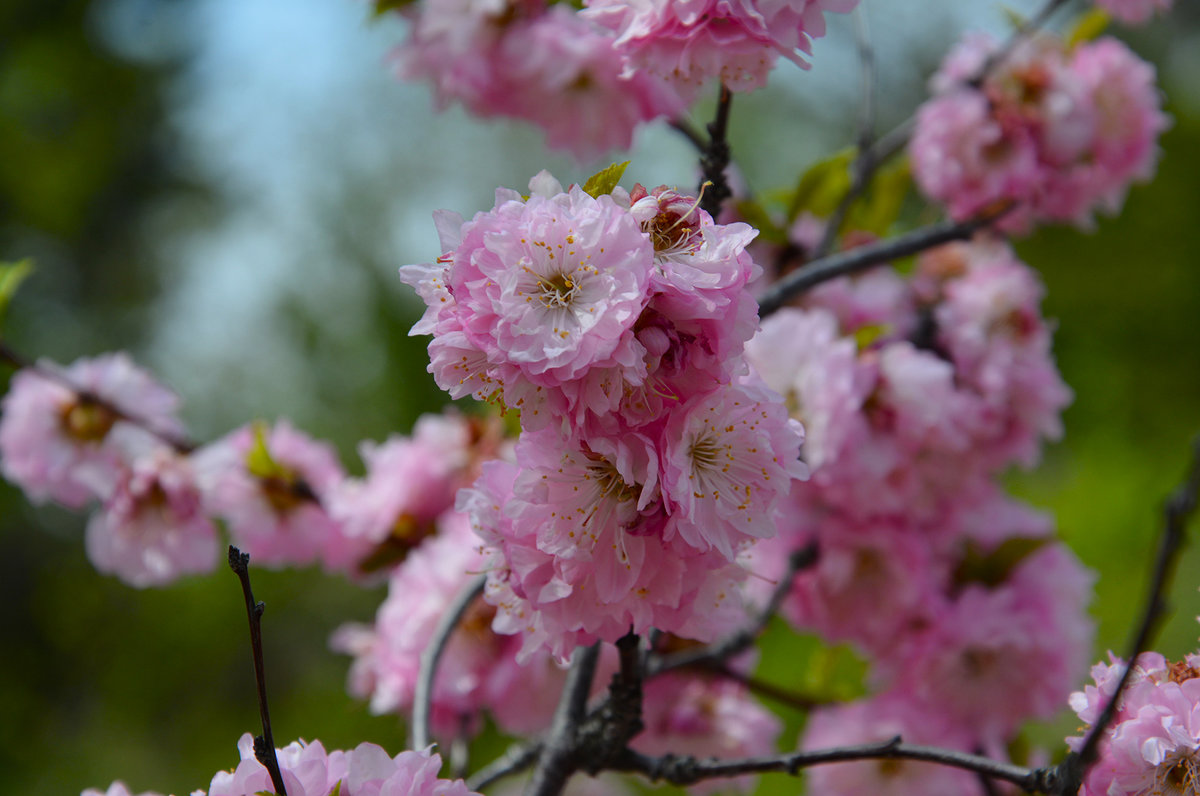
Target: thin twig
(423,693)
(515,759)
(714,159)
(557,761)
(863,257)
(1024,31)
(864,164)
(264,745)
(689,131)
(773,692)
(741,640)
(682,770)
(1178,510)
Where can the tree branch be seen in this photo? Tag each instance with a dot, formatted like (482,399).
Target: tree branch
(863,257)
(1178,510)
(741,640)
(423,693)
(557,761)
(515,759)
(683,770)
(714,160)
(264,745)
(689,131)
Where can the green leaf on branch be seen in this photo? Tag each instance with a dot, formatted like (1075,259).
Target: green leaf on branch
(822,186)
(11,277)
(757,216)
(1088,27)
(259,461)
(993,568)
(880,206)
(605,180)
(381,7)
(813,668)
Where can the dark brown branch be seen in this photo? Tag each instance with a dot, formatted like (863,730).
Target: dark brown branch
(773,692)
(864,257)
(743,639)
(423,693)
(682,770)
(714,160)
(689,131)
(264,745)
(559,757)
(1178,510)
(517,758)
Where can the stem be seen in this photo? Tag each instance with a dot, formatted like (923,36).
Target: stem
(1178,510)
(863,257)
(770,691)
(423,694)
(557,761)
(517,758)
(689,131)
(264,745)
(741,640)
(715,158)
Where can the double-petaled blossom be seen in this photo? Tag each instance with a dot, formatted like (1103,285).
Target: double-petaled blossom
(55,427)
(1152,745)
(1056,132)
(689,43)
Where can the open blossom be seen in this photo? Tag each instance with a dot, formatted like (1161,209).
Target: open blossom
(366,770)
(1134,12)
(116,789)
(54,439)
(151,529)
(1057,133)
(688,44)
(271,488)
(1153,742)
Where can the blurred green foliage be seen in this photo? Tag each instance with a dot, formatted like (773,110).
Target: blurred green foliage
(100,682)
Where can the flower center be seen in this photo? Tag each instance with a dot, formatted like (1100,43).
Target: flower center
(87,421)
(557,291)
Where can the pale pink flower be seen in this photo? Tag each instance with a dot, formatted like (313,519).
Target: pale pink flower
(705,717)
(151,529)
(999,656)
(1153,743)
(882,719)
(1135,12)
(367,770)
(53,438)
(118,788)
(276,515)
(728,458)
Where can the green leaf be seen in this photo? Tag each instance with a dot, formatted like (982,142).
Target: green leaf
(993,568)
(605,180)
(822,186)
(879,208)
(11,277)
(757,216)
(1015,19)
(259,461)
(337,789)
(864,336)
(1088,27)
(381,7)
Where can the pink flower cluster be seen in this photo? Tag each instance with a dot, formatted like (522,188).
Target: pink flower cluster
(1134,12)
(688,43)
(523,59)
(1153,743)
(648,459)
(308,770)
(915,394)
(1060,133)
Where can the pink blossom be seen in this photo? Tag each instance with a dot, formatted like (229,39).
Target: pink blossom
(881,719)
(705,717)
(54,438)
(1153,743)
(274,509)
(1134,12)
(367,770)
(151,529)
(118,788)
(998,656)
(688,43)
(560,603)
(728,458)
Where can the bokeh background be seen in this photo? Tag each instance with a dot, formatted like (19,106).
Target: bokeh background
(226,187)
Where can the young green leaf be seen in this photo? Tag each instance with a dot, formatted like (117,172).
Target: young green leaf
(605,180)
(11,277)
